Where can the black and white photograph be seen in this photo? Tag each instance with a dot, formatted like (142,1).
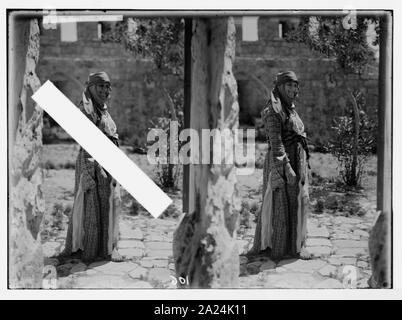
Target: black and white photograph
(199,149)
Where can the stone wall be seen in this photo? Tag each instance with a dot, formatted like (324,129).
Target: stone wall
(135,98)
(323,85)
(26,203)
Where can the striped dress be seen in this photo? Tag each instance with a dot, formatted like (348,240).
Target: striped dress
(93,225)
(281,222)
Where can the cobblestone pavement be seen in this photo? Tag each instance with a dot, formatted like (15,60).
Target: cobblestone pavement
(339,246)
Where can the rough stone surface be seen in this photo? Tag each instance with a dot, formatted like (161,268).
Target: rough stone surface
(243,259)
(350,244)
(113,268)
(160,263)
(51,261)
(147,263)
(243,246)
(254,267)
(328,284)
(161,275)
(204,244)
(79,267)
(299,265)
(361,233)
(363,264)
(346,220)
(25,123)
(49,249)
(127,233)
(64,269)
(138,273)
(351,252)
(107,281)
(317,242)
(320,232)
(124,244)
(158,245)
(290,281)
(131,253)
(328,271)
(162,254)
(268,265)
(141,285)
(380,252)
(338,261)
(322,251)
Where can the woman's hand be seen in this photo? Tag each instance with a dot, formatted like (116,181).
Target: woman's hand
(290,174)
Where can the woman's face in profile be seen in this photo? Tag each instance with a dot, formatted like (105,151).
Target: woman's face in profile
(103,90)
(291,89)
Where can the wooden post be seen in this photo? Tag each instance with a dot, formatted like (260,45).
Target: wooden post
(380,244)
(188,170)
(384,178)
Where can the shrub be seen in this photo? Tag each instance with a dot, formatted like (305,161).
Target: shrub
(245,214)
(320,206)
(170,212)
(168,175)
(57,216)
(351,166)
(135,207)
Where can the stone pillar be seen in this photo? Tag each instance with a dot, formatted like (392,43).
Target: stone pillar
(380,236)
(204,245)
(26,204)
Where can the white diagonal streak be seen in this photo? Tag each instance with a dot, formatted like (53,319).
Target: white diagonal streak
(107,154)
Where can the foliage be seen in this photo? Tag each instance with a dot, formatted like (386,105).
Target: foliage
(168,175)
(329,36)
(162,41)
(170,212)
(342,145)
(348,44)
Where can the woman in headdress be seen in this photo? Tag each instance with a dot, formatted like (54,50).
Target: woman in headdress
(281,223)
(93,228)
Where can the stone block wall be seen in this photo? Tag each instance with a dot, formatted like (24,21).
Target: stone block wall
(136,100)
(135,97)
(323,85)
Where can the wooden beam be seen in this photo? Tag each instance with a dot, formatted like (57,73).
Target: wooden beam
(188,170)
(384,177)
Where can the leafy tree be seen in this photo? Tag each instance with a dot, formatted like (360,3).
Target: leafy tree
(345,39)
(162,41)
(336,37)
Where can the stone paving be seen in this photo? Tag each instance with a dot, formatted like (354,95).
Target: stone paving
(336,242)
(339,246)
(146,245)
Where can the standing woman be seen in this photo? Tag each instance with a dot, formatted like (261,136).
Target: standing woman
(93,228)
(281,223)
